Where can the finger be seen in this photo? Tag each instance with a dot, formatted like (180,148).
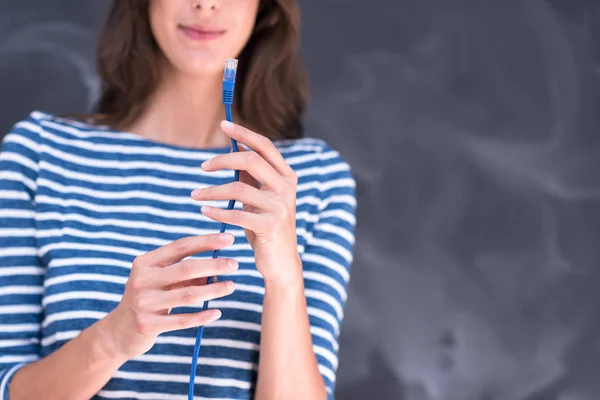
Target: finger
(185,247)
(186,296)
(191,270)
(239,191)
(245,177)
(249,161)
(245,219)
(259,144)
(191,282)
(175,322)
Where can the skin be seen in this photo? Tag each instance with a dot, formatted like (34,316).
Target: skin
(162,279)
(192,71)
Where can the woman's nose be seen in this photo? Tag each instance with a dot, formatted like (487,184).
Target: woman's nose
(204,4)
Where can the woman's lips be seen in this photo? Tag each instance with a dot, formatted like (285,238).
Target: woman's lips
(201,33)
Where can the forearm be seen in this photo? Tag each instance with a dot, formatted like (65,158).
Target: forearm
(78,370)
(288,367)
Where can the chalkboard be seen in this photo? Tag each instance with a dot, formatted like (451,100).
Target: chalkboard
(472,129)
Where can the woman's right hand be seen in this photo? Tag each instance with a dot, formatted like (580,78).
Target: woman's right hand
(159,281)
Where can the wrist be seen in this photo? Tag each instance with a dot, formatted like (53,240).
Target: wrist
(279,269)
(291,282)
(102,343)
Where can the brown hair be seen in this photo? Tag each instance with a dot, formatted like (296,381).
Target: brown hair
(271,85)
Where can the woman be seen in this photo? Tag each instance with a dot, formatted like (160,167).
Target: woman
(104,257)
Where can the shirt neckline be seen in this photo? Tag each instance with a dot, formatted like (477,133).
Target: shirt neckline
(156,143)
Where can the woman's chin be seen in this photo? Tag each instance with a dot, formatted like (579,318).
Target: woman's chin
(203,66)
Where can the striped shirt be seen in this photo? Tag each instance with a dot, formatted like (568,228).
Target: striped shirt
(79,202)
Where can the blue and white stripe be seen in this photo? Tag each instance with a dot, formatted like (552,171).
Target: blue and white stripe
(78,203)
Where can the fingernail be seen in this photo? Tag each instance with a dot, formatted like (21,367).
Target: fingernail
(233,265)
(205,164)
(230,286)
(196,192)
(205,209)
(226,236)
(227,125)
(215,315)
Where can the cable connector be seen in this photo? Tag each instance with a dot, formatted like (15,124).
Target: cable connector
(229,80)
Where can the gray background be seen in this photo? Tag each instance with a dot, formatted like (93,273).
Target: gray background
(472,128)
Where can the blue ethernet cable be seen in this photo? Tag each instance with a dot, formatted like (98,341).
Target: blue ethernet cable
(228,88)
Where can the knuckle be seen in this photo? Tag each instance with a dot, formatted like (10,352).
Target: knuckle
(224,265)
(138,303)
(135,283)
(183,322)
(214,241)
(186,269)
(251,158)
(236,217)
(265,141)
(203,317)
(223,289)
(280,210)
(188,295)
(238,187)
(138,262)
(181,245)
(142,325)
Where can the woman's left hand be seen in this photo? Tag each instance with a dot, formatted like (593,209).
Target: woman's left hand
(268,215)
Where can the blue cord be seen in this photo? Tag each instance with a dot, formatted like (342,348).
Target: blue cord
(228,88)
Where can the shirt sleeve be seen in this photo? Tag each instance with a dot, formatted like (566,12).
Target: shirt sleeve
(21,271)
(327,260)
